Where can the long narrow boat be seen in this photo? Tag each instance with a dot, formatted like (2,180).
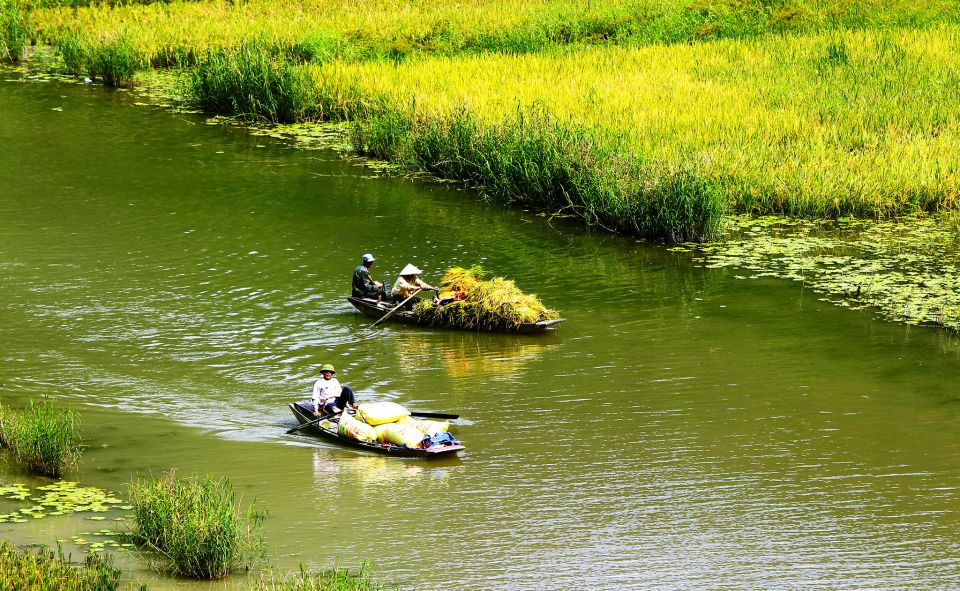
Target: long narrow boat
(328,429)
(375,309)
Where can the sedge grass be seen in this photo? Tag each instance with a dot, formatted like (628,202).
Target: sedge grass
(46,570)
(15,29)
(335,579)
(196,525)
(42,438)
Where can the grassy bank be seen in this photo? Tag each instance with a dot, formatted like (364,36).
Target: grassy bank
(196,525)
(46,570)
(646,117)
(43,438)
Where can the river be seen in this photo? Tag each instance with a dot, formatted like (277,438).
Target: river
(177,284)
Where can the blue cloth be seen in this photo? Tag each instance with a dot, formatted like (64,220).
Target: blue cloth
(442,439)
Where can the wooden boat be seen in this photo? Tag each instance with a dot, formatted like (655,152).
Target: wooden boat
(374,309)
(304,412)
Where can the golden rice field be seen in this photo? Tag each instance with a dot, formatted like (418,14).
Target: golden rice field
(865,122)
(341,28)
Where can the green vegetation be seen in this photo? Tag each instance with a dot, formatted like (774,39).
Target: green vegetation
(196,525)
(42,438)
(15,30)
(46,570)
(337,579)
(649,117)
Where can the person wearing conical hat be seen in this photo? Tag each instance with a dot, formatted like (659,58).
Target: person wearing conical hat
(407,284)
(329,397)
(365,286)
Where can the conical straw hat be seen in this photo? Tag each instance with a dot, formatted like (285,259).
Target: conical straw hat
(410,270)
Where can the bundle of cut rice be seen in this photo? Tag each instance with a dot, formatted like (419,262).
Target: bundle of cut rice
(496,304)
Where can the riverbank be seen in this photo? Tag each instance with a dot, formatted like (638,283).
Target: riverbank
(652,119)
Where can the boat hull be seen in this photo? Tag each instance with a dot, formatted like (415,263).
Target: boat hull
(303,411)
(373,309)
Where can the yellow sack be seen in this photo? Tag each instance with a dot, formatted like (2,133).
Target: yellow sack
(354,429)
(381,429)
(378,413)
(398,434)
(430,428)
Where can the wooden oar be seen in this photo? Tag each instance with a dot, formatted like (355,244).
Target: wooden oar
(390,313)
(434,415)
(313,422)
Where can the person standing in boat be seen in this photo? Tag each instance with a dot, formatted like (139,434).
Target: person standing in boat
(407,284)
(329,397)
(365,286)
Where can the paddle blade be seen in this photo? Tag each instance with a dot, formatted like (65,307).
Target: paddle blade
(434,415)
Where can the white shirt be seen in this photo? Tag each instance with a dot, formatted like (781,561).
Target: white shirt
(324,391)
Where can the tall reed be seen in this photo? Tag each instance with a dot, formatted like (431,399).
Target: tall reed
(335,579)
(196,525)
(43,438)
(15,29)
(250,80)
(46,570)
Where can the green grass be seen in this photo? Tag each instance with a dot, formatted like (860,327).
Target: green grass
(196,525)
(42,438)
(15,30)
(336,579)
(46,570)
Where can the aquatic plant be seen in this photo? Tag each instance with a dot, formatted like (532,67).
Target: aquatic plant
(196,525)
(59,498)
(46,570)
(248,81)
(495,304)
(43,438)
(335,579)
(15,29)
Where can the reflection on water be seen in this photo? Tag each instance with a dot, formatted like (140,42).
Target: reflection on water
(681,430)
(365,471)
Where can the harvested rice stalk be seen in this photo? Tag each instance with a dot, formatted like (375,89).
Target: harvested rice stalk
(497,304)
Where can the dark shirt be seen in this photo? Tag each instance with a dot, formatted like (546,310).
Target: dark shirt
(362,284)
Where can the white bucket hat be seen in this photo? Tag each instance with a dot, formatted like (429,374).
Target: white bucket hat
(410,270)
(367,258)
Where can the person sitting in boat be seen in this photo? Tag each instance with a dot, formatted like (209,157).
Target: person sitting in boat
(329,397)
(365,286)
(407,284)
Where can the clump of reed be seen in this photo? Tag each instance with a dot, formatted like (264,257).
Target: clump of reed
(15,29)
(495,304)
(46,570)
(42,438)
(196,525)
(251,80)
(114,60)
(335,579)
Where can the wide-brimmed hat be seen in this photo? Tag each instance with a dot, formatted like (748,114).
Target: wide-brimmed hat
(367,258)
(410,270)
(327,367)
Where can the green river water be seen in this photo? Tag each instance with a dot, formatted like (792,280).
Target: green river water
(178,284)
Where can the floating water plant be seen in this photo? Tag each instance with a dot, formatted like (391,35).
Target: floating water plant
(46,570)
(906,269)
(495,304)
(196,525)
(60,498)
(43,438)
